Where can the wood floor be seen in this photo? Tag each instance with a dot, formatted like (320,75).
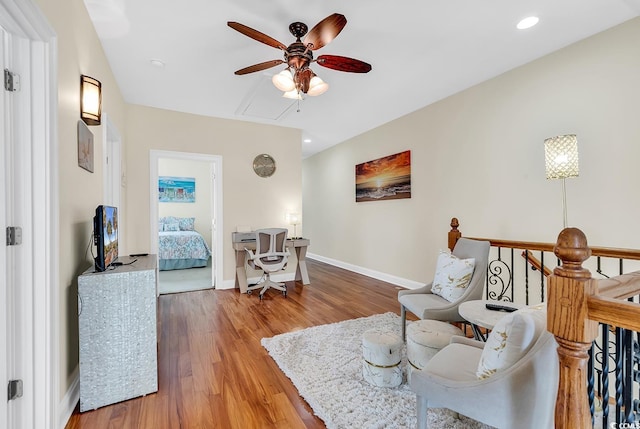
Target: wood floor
(213,372)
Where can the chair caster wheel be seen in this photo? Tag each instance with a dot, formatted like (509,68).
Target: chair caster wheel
(249,292)
(284,293)
(261,296)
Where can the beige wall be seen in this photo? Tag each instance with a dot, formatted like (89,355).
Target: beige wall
(201,208)
(79,52)
(247,199)
(479,156)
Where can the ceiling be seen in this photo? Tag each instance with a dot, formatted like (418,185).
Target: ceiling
(420,51)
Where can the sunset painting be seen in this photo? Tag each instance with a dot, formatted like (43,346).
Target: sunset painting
(387,178)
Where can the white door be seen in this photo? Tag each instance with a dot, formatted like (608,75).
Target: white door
(15,290)
(28,180)
(5,178)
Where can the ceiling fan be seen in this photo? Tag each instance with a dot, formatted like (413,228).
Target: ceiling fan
(298,78)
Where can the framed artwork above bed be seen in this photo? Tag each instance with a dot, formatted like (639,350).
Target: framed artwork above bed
(176,189)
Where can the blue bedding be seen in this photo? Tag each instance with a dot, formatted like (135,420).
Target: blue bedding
(182,249)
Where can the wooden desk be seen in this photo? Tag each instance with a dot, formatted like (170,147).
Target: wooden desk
(299,245)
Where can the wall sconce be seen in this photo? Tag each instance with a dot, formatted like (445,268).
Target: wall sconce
(293,219)
(90,100)
(561,161)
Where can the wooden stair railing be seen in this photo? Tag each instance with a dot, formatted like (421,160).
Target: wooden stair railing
(576,304)
(604,252)
(536,264)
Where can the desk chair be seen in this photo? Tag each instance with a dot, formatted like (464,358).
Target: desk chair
(271,255)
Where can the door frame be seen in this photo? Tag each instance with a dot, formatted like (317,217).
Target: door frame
(216,200)
(36,130)
(111,162)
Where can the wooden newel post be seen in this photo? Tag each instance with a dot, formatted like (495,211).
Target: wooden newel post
(454,234)
(568,319)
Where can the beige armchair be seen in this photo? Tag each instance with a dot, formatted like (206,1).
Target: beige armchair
(426,305)
(521,396)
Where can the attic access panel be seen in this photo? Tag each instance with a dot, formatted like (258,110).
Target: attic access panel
(264,101)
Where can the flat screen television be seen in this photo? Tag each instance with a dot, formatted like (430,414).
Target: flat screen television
(105,236)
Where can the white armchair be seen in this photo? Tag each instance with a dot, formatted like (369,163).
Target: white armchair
(426,305)
(523,395)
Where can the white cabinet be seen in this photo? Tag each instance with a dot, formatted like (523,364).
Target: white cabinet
(118,332)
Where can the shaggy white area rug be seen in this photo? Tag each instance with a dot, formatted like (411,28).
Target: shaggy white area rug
(325,364)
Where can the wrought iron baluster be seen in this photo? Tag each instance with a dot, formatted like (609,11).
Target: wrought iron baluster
(526,276)
(619,371)
(495,276)
(636,372)
(542,276)
(590,384)
(605,375)
(511,281)
(628,376)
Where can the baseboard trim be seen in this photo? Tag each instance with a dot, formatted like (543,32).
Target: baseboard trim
(287,277)
(398,281)
(70,400)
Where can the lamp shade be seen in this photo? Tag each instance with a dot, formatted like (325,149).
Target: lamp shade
(561,156)
(283,81)
(90,100)
(293,218)
(294,95)
(317,86)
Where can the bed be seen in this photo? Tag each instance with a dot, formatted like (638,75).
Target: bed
(179,245)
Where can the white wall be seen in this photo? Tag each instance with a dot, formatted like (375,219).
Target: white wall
(79,52)
(247,199)
(201,208)
(479,156)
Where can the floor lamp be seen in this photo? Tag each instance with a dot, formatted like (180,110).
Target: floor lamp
(561,161)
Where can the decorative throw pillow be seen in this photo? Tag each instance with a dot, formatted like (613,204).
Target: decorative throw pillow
(452,276)
(510,339)
(167,219)
(175,226)
(186,223)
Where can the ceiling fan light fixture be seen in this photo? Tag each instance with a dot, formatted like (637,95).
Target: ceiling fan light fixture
(317,86)
(293,94)
(284,81)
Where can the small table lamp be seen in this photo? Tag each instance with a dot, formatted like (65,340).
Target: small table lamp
(293,219)
(561,161)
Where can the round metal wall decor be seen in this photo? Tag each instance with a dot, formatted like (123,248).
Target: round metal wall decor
(264,165)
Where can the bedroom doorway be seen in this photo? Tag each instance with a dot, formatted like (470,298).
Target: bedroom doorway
(186,215)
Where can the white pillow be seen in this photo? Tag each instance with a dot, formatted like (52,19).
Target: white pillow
(452,276)
(510,339)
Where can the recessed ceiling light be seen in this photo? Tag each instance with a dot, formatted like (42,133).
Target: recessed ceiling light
(157,63)
(307,140)
(528,22)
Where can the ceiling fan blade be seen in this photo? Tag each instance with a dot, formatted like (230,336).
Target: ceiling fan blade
(256,35)
(344,64)
(258,67)
(325,31)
